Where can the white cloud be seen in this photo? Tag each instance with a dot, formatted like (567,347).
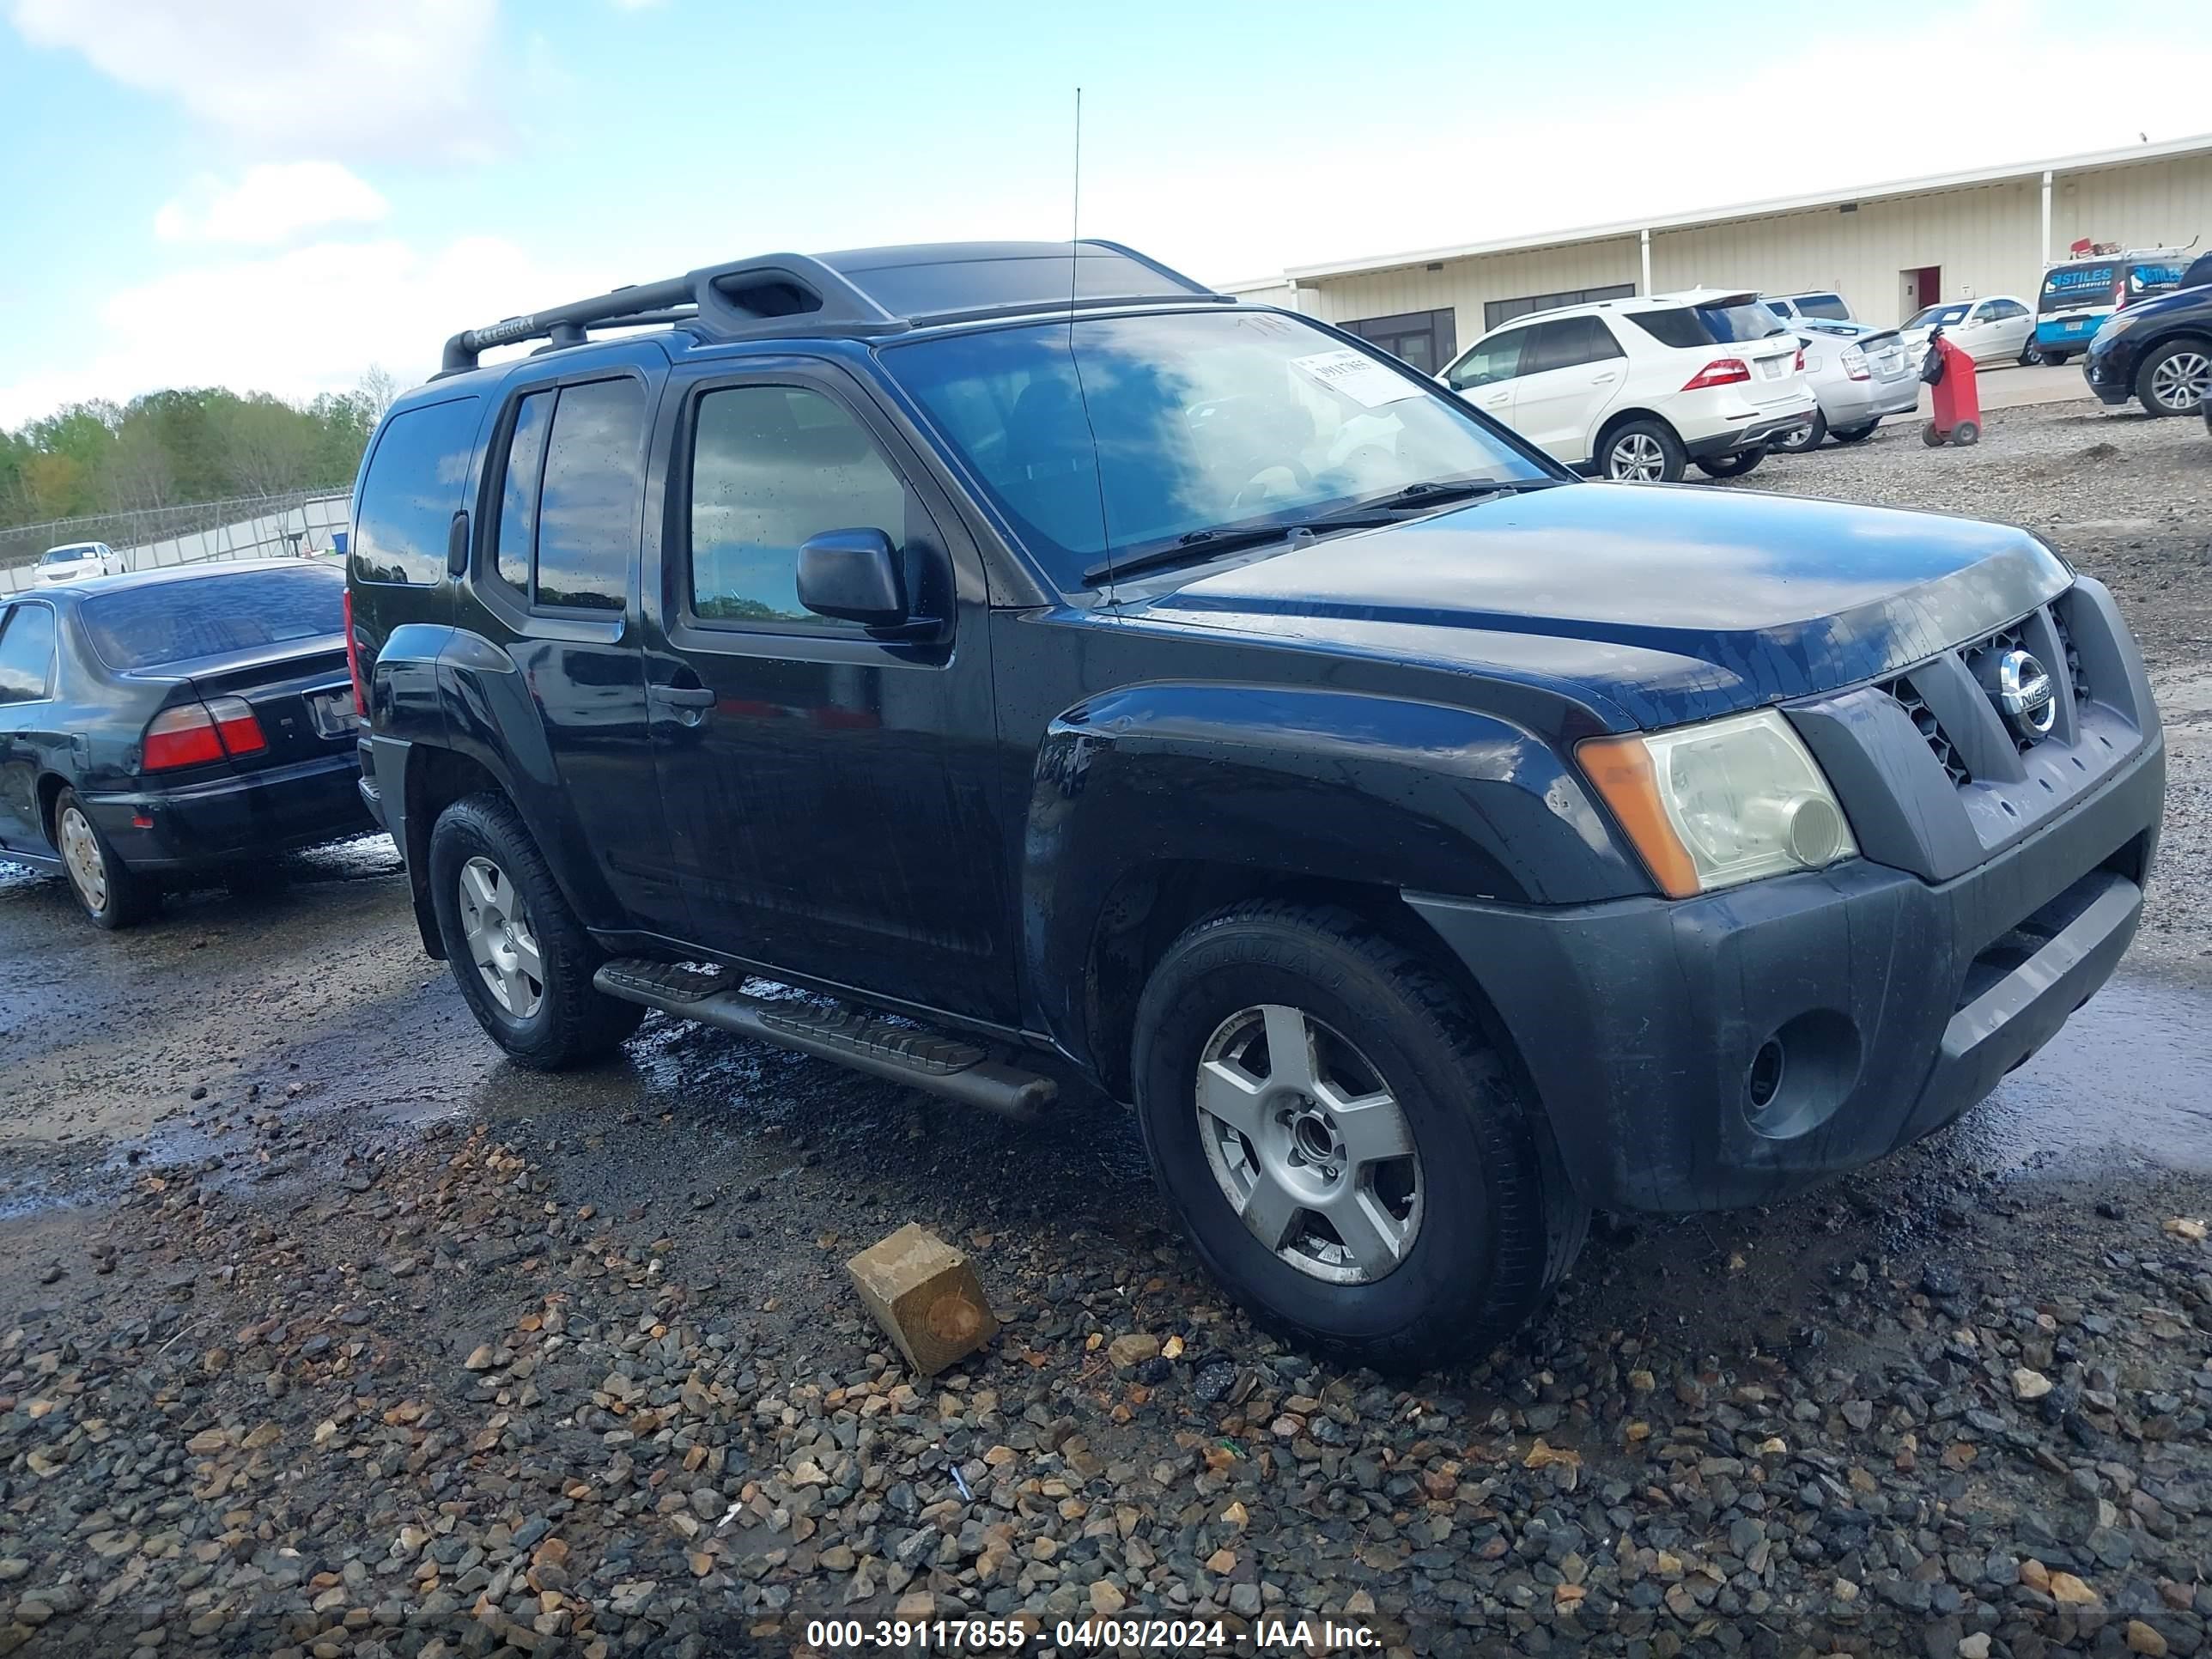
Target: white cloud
(270,204)
(398,78)
(307,320)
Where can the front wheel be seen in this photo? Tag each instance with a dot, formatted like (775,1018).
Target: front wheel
(1345,1151)
(1805,437)
(111,894)
(1733,466)
(2031,355)
(523,962)
(1641,451)
(2173,378)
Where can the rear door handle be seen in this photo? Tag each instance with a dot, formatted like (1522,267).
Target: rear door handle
(1603,380)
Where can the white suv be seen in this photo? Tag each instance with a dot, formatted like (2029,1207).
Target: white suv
(1635,389)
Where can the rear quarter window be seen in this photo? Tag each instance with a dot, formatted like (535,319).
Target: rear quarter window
(416,481)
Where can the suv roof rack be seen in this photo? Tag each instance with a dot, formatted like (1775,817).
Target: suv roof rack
(859,293)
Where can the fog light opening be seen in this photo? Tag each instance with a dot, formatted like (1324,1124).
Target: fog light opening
(1766,1068)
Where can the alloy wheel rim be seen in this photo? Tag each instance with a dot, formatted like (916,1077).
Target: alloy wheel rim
(80,852)
(502,942)
(2179,381)
(1638,459)
(1310,1145)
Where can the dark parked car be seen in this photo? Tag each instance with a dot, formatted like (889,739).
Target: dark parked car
(2158,350)
(175,721)
(1076,676)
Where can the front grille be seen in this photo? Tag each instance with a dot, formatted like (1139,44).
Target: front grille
(1932,729)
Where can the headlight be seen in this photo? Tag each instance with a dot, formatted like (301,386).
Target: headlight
(1726,801)
(2112,327)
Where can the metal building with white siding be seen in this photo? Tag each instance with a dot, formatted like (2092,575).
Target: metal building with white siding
(1888,249)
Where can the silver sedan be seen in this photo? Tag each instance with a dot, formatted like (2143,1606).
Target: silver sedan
(1859,373)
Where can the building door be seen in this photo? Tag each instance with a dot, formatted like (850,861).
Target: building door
(1923,287)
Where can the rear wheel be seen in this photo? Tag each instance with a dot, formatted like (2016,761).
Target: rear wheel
(522,960)
(1733,466)
(2173,378)
(111,894)
(1852,434)
(1805,438)
(1345,1151)
(1641,451)
(1966,435)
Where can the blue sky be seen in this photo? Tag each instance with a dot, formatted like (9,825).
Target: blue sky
(276,195)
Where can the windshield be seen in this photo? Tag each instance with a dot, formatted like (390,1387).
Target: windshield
(65,555)
(1201,422)
(1937,316)
(1840,331)
(140,628)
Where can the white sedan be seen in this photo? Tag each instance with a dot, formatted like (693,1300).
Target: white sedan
(76,562)
(1998,328)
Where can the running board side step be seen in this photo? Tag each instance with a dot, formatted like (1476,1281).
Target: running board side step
(951,1067)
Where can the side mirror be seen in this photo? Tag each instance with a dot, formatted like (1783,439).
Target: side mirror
(854,575)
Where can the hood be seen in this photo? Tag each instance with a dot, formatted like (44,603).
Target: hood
(1655,604)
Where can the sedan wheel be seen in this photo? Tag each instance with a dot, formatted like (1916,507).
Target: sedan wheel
(1309,1144)
(87,868)
(502,942)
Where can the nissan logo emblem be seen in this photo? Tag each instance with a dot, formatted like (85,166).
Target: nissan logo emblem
(2024,696)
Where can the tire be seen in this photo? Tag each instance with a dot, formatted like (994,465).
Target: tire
(548,1019)
(2171,380)
(1806,439)
(1733,466)
(1853,434)
(1489,1223)
(1930,436)
(1966,435)
(2031,355)
(111,894)
(1644,451)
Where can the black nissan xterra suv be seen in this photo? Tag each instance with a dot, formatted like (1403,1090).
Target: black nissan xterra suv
(1074,677)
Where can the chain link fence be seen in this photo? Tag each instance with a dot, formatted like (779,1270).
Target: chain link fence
(296,523)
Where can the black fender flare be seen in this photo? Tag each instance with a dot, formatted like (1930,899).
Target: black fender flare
(1300,783)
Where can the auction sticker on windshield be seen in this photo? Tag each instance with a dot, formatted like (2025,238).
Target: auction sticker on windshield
(1358,377)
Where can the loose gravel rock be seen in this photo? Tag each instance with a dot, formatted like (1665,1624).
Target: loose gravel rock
(382,1349)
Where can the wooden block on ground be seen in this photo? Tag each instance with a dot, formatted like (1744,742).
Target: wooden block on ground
(926,1296)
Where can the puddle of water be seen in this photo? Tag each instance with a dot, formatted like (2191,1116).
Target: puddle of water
(2130,1076)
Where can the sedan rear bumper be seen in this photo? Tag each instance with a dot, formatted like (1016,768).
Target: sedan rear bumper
(227,818)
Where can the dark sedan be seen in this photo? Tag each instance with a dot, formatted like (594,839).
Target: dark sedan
(174,721)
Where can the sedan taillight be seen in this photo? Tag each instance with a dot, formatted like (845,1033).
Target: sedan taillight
(194,733)
(1722,371)
(1854,364)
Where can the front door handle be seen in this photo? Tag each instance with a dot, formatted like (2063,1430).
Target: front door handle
(1603,380)
(691,704)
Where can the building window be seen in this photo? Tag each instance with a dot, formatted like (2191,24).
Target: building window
(1426,339)
(1495,312)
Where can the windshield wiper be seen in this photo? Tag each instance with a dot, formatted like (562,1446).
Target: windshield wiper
(1429,492)
(1200,545)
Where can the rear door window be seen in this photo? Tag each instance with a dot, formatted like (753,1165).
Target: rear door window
(26,653)
(591,497)
(518,495)
(1569,342)
(404,514)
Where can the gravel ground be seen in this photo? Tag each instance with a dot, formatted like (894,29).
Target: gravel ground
(323,1332)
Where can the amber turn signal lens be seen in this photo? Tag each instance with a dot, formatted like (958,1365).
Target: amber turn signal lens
(1619,770)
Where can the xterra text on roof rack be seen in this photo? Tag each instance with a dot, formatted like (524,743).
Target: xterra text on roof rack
(1081,679)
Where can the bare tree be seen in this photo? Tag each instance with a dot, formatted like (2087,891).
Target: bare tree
(379,389)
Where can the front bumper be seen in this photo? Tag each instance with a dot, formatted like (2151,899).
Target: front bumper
(229,818)
(2111,374)
(1897,1003)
